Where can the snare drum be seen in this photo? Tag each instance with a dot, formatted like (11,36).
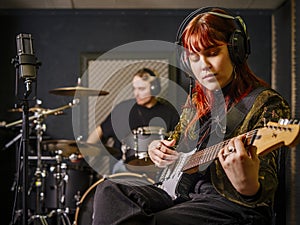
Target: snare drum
(135,145)
(84,210)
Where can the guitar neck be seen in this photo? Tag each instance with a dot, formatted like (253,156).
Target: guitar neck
(265,139)
(207,155)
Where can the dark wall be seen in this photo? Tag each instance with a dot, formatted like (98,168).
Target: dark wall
(283,44)
(288,79)
(61,36)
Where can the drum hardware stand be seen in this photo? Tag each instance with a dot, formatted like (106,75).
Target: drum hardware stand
(40,174)
(14,140)
(124,149)
(61,178)
(136,146)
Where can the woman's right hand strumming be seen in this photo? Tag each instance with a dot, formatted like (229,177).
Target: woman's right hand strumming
(161,152)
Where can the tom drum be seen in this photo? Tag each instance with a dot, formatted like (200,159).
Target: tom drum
(135,145)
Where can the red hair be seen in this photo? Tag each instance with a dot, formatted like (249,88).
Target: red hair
(207,30)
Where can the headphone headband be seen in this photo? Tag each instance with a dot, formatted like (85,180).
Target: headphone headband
(150,72)
(239,40)
(230,15)
(221,15)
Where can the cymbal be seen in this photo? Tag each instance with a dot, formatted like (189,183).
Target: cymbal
(69,147)
(33,109)
(78,90)
(44,112)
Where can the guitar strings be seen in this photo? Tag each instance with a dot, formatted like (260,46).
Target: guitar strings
(210,153)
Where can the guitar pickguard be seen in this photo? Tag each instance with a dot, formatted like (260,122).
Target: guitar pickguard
(171,175)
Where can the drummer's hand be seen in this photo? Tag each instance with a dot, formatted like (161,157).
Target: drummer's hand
(161,153)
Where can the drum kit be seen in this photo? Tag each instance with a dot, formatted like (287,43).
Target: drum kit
(58,176)
(62,184)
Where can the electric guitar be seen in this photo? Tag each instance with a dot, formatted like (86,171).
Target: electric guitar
(265,139)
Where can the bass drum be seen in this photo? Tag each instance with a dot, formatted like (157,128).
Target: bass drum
(84,210)
(77,177)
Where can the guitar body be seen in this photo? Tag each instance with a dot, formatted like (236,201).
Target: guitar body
(171,176)
(178,184)
(185,186)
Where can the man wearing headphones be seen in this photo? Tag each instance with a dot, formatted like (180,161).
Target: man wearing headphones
(233,185)
(143,111)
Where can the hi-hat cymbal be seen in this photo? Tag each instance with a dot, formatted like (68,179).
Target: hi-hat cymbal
(69,147)
(78,90)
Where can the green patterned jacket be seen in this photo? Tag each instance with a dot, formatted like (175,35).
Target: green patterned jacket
(267,101)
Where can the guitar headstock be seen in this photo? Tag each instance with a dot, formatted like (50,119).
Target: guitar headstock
(274,135)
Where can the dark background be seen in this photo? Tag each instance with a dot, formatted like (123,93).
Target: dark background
(61,37)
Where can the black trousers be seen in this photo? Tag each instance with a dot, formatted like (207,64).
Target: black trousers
(132,202)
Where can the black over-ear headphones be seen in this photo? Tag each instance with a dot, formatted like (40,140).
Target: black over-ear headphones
(155,87)
(239,42)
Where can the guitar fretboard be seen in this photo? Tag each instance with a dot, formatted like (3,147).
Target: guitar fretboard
(210,153)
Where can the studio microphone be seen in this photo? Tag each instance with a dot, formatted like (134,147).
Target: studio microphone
(26,60)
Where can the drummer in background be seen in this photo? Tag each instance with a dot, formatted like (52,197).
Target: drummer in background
(143,111)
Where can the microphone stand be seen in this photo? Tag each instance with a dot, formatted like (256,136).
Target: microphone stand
(25,147)
(27,96)
(24,157)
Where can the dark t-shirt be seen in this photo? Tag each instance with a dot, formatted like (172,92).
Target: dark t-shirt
(128,115)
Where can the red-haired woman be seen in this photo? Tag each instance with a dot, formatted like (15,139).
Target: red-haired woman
(236,186)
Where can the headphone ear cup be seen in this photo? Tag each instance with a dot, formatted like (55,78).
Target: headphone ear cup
(236,47)
(155,87)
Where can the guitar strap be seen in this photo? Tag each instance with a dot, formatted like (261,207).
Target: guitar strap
(224,127)
(237,113)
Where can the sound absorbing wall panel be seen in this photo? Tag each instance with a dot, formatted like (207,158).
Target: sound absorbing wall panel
(115,76)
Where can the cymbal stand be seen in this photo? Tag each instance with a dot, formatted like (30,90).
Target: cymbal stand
(40,173)
(61,178)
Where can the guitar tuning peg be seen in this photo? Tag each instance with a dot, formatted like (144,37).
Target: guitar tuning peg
(295,121)
(284,121)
